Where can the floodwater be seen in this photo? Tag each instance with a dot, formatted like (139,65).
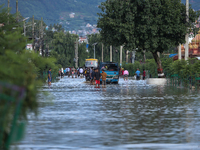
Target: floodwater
(128,115)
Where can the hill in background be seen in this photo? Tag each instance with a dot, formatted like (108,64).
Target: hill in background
(195,3)
(72,14)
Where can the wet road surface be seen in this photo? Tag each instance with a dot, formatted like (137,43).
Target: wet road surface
(128,115)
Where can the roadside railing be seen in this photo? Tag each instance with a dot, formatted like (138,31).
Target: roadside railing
(11,126)
(189,81)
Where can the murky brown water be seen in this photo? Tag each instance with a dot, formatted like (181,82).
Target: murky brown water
(131,115)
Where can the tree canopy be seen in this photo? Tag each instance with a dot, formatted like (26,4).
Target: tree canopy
(151,25)
(20,69)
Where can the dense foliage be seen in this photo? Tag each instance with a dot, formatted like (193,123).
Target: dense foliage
(149,66)
(63,49)
(58,44)
(184,68)
(18,67)
(152,25)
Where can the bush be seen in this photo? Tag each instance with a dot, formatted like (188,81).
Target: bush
(149,66)
(19,68)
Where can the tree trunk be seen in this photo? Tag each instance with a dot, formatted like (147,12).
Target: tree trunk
(159,66)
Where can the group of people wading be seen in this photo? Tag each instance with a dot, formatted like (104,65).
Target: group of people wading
(75,73)
(91,74)
(125,74)
(95,77)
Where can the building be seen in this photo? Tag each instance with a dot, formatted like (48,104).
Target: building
(194,48)
(82,39)
(1,24)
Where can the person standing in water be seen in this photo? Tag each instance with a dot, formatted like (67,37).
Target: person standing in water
(49,77)
(137,73)
(144,74)
(81,72)
(92,76)
(76,73)
(126,73)
(73,72)
(103,75)
(97,78)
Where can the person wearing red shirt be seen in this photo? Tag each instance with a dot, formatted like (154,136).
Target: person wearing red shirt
(97,76)
(122,72)
(144,74)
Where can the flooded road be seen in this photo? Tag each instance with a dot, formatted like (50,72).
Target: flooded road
(130,115)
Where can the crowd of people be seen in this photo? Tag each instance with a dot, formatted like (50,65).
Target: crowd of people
(93,75)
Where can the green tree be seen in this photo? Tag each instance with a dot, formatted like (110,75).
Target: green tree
(21,68)
(151,25)
(83,54)
(63,45)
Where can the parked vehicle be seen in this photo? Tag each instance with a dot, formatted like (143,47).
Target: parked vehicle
(91,63)
(112,70)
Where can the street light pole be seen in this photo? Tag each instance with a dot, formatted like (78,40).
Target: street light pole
(25,25)
(187,34)
(121,47)
(110,53)
(102,53)
(33,34)
(24,29)
(94,48)
(94,51)
(8,9)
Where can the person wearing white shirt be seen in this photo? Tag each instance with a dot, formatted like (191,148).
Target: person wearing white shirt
(68,71)
(81,72)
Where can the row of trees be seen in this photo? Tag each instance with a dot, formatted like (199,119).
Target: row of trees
(19,69)
(61,45)
(151,25)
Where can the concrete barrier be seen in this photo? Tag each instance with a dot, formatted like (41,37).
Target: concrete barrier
(156,81)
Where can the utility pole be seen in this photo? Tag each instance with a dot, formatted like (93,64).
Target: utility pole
(121,47)
(179,49)
(127,56)
(17,9)
(133,57)
(16,6)
(94,48)
(144,56)
(179,52)
(94,51)
(187,34)
(102,53)
(8,9)
(110,53)
(76,53)
(41,37)
(33,44)
(47,50)
(24,28)
(110,47)
(8,5)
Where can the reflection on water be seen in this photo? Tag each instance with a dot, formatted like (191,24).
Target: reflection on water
(131,115)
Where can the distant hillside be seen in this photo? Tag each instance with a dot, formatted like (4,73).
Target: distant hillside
(195,4)
(58,11)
